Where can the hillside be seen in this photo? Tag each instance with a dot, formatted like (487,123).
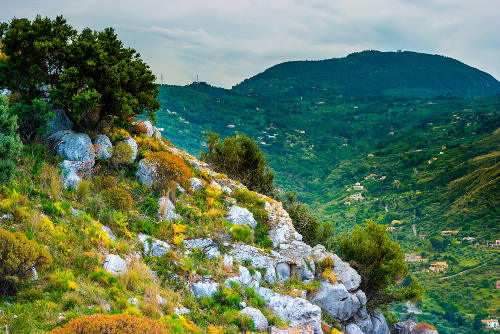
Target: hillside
(373,73)
(429,162)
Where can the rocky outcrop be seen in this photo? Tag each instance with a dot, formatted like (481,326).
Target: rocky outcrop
(196,184)
(60,122)
(74,147)
(145,173)
(208,247)
(153,247)
(151,130)
(337,301)
(258,318)
(241,216)
(166,209)
(245,278)
(103,147)
(70,177)
(115,265)
(298,311)
(411,327)
(245,253)
(373,323)
(204,289)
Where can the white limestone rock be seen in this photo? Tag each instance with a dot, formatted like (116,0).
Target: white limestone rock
(75,147)
(337,301)
(241,216)
(208,246)
(166,209)
(115,265)
(258,318)
(153,247)
(204,289)
(103,147)
(133,145)
(146,173)
(196,184)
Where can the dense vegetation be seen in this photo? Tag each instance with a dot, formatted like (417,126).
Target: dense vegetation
(428,162)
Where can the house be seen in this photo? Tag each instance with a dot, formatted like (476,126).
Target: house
(469,239)
(347,203)
(396,222)
(230,126)
(411,257)
(498,284)
(449,233)
(438,266)
(371,155)
(357,197)
(358,186)
(422,236)
(390,228)
(490,323)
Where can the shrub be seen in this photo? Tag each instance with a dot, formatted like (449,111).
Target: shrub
(119,197)
(111,324)
(10,143)
(122,154)
(242,233)
(303,220)
(140,128)
(168,167)
(18,256)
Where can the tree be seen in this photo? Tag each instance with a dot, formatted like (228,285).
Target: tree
(303,220)
(10,143)
(240,158)
(380,262)
(90,75)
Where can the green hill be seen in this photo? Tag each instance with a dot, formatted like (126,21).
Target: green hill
(374,73)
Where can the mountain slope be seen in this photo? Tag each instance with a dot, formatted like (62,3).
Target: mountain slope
(375,73)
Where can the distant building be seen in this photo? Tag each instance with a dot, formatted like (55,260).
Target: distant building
(438,266)
(490,323)
(357,197)
(411,257)
(469,239)
(422,236)
(449,233)
(358,186)
(347,203)
(230,126)
(396,222)
(498,284)
(390,228)
(371,155)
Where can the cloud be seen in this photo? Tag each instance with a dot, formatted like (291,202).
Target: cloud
(225,42)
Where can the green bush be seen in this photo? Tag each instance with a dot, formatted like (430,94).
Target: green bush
(242,233)
(10,143)
(18,257)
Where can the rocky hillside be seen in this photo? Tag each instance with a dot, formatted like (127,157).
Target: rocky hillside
(200,254)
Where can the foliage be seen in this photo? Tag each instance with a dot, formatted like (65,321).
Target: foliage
(111,324)
(122,154)
(379,261)
(18,256)
(167,168)
(10,144)
(240,158)
(303,219)
(91,75)
(119,197)
(242,233)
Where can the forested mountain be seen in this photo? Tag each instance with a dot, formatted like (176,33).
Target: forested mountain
(418,132)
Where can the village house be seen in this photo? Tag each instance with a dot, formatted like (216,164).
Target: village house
(448,233)
(357,197)
(358,186)
(411,257)
(438,266)
(390,228)
(469,239)
(371,155)
(498,284)
(490,323)
(422,236)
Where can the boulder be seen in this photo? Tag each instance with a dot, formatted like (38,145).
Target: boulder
(296,330)
(242,253)
(166,209)
(241,216)
(153,247)
(404,327)
(133,145)
(353,329)
(298,311)
(75,147)
(228,260)
(115,264)
(337,301)
(379,324)
(245,278)
(149,128)
(145,173)
(60,122)
(204,289)
(227,190)
(109,233)
(208,247)
(283,271)
(196,184)
(70,177)
(258,318)
(103,147)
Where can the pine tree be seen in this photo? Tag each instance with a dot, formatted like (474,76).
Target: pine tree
(10,143)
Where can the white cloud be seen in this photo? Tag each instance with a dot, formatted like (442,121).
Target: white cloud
(227,41)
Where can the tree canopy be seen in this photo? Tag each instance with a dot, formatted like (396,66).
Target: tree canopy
(90,75)
(380,262)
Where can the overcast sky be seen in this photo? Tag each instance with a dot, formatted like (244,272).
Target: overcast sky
(226,41)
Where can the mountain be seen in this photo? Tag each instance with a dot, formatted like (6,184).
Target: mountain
(374,73)
(418,132)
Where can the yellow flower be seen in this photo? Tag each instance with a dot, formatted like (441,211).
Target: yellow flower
(72,285)
(178,239)
(178,228)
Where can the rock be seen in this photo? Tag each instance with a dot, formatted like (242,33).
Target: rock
(166,209)
(241,216)
(227,190)
(404,327)
(70,177)
(181,190)
(133,145)
(283,271)
(379,323)
(153,247)
(181,310)
(258,318)
(347,275)
(145,173)
(35,274)
(109,233)
(245,278)
(115,264)
(149,128)
(298,311)
(134,301)
(253,255)
(204,289)
(216,185)
(196,184)
(296,330)
(6,216)
(208,247)
(156,133)
(74,212)
(353,329)
(337,301)
(103,147)
(75,147)
(60,122)
(228,260)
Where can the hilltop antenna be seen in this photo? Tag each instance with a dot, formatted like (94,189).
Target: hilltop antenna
(197,80)
(161,75)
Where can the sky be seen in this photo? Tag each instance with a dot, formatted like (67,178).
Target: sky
(225,41)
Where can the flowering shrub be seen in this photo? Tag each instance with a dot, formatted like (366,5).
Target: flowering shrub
(122,154)
(119,197)
(18,256)
(168,167)
(242,233)
(140,128)
(328,274)
(111,324)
